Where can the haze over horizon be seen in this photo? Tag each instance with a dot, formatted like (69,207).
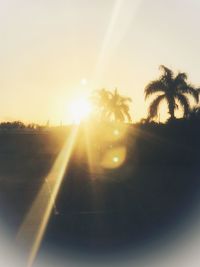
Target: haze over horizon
(54,51)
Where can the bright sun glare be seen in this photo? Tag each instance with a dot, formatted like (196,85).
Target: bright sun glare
(79,110)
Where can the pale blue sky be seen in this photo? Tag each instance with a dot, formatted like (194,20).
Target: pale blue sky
(47,47)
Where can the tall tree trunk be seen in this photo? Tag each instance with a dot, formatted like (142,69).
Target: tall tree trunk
(172,105)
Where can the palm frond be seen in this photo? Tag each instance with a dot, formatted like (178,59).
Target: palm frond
(125,110)
(125,99)
(127,114)
(191,90)
(181,76)
(156,86)
(166,71)
(180,79)
(153,108)
(183,100)
(119,115)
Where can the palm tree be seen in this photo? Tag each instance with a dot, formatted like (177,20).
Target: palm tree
(118,107)
(112,106)
(173,89)
(100,99)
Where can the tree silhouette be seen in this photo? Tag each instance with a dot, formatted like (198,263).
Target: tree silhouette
(100,99)
(194,114)
(173,89)
(15,125)
(118,107)
(111,105)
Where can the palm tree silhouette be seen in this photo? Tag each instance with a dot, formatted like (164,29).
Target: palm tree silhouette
(118,107)
(100,99)
(112,105)
(173,89)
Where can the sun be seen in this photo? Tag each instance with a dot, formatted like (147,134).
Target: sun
(79,110)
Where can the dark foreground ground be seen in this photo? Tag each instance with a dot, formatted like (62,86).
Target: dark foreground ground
(154,192)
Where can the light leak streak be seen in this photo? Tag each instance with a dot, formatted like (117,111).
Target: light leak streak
(122,15)
(104,50)
(35,223)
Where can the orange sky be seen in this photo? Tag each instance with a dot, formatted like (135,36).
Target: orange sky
(48,47)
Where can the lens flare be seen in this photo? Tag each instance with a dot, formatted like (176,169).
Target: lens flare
(114,157)
(116,132)
(34,225)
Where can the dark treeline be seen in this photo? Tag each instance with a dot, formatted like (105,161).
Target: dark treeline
(18,125)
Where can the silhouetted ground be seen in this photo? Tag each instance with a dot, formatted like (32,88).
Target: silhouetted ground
(153,192)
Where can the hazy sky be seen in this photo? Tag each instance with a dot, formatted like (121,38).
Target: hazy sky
(47,47)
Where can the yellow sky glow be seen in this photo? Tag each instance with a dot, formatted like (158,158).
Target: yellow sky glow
(51,51)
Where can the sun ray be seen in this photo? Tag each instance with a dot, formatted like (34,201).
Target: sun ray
(106,42)
(87,135)
(34,225)
(122,15)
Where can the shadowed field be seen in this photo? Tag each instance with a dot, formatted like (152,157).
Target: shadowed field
(104,210)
